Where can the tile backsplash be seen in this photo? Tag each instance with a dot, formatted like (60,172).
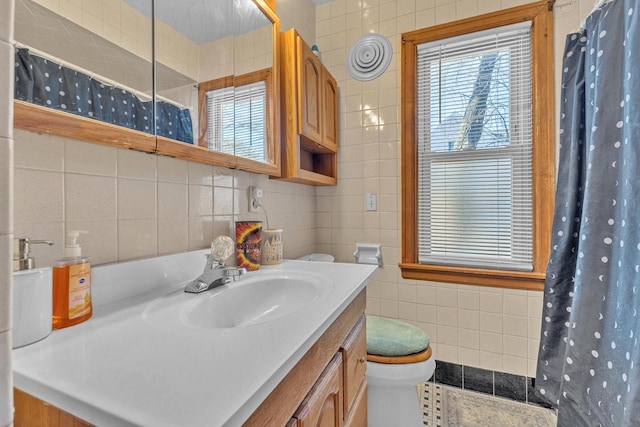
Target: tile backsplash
(135,204)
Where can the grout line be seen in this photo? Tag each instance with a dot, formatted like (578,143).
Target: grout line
(493,383)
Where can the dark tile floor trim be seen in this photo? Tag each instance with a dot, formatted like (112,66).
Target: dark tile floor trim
(494,383)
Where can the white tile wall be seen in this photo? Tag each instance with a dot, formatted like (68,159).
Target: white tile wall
(6,208)
(138,205)
(478,326)
(6,89)
(6,380)
(300,14)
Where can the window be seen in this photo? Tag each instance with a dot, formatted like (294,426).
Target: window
(236,120)
(478,149)
(235,117)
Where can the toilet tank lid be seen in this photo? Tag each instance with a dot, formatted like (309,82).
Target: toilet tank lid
(317,258)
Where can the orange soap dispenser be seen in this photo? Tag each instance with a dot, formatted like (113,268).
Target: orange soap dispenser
(71,285)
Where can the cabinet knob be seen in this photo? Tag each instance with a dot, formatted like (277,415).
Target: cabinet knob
(362,360)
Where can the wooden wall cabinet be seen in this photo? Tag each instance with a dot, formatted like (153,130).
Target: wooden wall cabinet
(309,115)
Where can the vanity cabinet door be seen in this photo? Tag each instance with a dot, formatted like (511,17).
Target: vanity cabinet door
(354,355)
(310,93)
(31,411)
(323,405)
(357,416)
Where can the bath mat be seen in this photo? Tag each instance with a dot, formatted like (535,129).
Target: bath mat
(445,406)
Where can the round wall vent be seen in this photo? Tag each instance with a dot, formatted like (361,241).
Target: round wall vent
(369,56)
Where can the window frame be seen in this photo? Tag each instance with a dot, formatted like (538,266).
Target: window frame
(271,165)
(543,148)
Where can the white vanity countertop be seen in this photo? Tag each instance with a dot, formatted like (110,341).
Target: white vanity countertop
(120,368)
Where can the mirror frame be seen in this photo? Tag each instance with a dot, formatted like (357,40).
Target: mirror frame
(35,118)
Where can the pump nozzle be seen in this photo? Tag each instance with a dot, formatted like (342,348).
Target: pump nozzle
(72,248)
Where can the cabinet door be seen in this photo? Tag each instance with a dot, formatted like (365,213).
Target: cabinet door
(323,405)
(309,93)
(358,413)
(31,411)
(354,355)
(329,111)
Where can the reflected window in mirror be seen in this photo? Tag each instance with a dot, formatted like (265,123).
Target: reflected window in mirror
(235,115)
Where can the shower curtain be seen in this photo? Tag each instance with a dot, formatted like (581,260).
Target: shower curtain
(588,361)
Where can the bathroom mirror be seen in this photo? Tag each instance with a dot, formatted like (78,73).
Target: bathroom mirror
(224,53)
(91,62)
(108,51)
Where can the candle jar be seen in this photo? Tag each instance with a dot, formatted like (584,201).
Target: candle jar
(248,238)
(271,248)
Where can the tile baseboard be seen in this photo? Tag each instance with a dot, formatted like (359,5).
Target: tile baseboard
(495,383)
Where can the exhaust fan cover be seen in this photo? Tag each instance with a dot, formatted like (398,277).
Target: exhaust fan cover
(369,57)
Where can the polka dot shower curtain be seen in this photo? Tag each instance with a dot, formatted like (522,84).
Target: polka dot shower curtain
(589,353)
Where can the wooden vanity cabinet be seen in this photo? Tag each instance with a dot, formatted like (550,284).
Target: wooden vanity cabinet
(33,412)
(309,95)
(339,397)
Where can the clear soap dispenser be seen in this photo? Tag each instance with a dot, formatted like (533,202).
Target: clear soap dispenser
(71,285)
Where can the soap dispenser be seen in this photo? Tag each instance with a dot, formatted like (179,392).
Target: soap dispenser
(71,285)
(31,296)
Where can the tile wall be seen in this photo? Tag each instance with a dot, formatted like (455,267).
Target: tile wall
(298,14)
(138,205)
(481,327)
(6,208)
(120,23)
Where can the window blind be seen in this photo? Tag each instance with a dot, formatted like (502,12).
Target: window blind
(474,137)
(236,120)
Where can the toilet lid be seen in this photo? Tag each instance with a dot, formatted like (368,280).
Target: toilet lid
(317,258)
(390,337)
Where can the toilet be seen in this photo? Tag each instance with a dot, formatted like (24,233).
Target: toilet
(317,258)
(399,357)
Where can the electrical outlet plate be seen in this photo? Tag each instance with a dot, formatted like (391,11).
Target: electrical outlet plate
(371,202)
(255,194)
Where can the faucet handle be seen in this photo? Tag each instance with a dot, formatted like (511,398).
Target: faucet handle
(222,248)
(237,272)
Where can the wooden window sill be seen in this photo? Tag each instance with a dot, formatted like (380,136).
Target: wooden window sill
(531,281)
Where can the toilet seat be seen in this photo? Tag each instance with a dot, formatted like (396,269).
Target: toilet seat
(393,341)
(409,358)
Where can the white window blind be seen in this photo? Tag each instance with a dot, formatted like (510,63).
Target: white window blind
(474,150)
(236,120)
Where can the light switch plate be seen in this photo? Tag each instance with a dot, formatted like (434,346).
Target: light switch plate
(371,202)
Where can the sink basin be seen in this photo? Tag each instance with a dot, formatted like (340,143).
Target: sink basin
(256,299)
(252,303)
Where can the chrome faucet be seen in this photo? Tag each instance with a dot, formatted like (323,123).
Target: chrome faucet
(214,276)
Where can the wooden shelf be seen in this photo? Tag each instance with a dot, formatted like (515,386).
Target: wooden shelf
(37,118)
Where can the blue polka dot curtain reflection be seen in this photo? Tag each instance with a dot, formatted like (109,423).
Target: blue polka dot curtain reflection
(589,353)
(40,81)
